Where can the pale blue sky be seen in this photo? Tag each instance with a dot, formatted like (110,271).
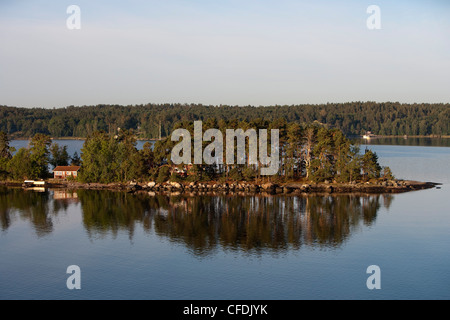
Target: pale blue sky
(257,52)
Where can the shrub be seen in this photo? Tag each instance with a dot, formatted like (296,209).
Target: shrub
(175,177)
(249,174)
(387,174)
(192,178)
(153,173)
(71,179)
(222,180)
(163,174)
(235,174)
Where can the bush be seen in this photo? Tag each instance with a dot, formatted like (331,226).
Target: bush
(249,174)
(192,178)
(222,180)
(163,174)
(175,177)
(320,175)
(153,173)
(277,178)
(71,179)
(387,174)
(235,174)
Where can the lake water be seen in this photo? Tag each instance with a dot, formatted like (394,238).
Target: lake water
(233,247)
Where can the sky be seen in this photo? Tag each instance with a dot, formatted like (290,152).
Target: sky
(230,52)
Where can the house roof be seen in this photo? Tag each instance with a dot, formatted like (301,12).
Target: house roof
(66,168)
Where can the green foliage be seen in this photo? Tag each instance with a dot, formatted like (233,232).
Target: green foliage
(322,165)
(195,173)
(192,178)
(75,160)
(354,118)
(20,166)
(222,180)
(175,177)
(148,159)
(153,173)
(312,152)
(163,174)
(5,149)
(29,163)
(208,173)
(235,174)
(249,174)
(40,144)
(370,167)
(109,159)
(5,155)
(387,174)
(71,179)
(58,155)
(277,178)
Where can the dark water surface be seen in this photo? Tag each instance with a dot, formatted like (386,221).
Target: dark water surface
(232,247)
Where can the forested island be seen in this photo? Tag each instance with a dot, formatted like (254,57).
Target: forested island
(313,158)
(152,121)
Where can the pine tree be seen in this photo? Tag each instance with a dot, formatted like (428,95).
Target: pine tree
(40,144)
(75,160)
(369,164)
(58,155)
(5,155)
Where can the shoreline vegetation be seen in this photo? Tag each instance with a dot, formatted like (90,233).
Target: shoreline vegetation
(242,187)
(153,121)
(432,136)
(312,159)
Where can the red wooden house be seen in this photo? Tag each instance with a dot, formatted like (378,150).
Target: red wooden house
(61,172)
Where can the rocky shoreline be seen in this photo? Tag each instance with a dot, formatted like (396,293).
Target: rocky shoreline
(392,186)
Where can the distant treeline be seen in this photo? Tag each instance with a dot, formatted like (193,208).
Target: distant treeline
(151,120)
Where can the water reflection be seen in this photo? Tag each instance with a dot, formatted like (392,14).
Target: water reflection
(203,223)
(27,205)
(261,223)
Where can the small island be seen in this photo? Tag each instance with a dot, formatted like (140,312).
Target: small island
(313,159)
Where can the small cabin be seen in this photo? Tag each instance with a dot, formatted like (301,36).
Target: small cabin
(62,172)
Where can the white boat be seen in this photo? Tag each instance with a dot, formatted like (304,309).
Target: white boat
(31,183)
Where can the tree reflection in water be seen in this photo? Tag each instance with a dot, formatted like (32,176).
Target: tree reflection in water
(205,222)
(29,205)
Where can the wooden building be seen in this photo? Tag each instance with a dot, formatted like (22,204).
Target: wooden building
(61,172)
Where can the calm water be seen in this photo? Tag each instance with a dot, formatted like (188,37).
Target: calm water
(233,247)
(424,142)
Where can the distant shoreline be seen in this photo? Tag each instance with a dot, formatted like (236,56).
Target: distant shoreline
(75,138)
(408,136)
(352,137)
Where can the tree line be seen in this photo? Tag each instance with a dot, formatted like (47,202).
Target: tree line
(310,152)
(150,120)
(34,161)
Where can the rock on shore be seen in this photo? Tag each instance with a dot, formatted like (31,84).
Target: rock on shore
(393,186)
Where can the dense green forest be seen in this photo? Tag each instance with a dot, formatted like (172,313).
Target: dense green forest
(310,153)
(148,121)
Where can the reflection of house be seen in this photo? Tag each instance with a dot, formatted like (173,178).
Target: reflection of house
(63,195)
(61,172)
